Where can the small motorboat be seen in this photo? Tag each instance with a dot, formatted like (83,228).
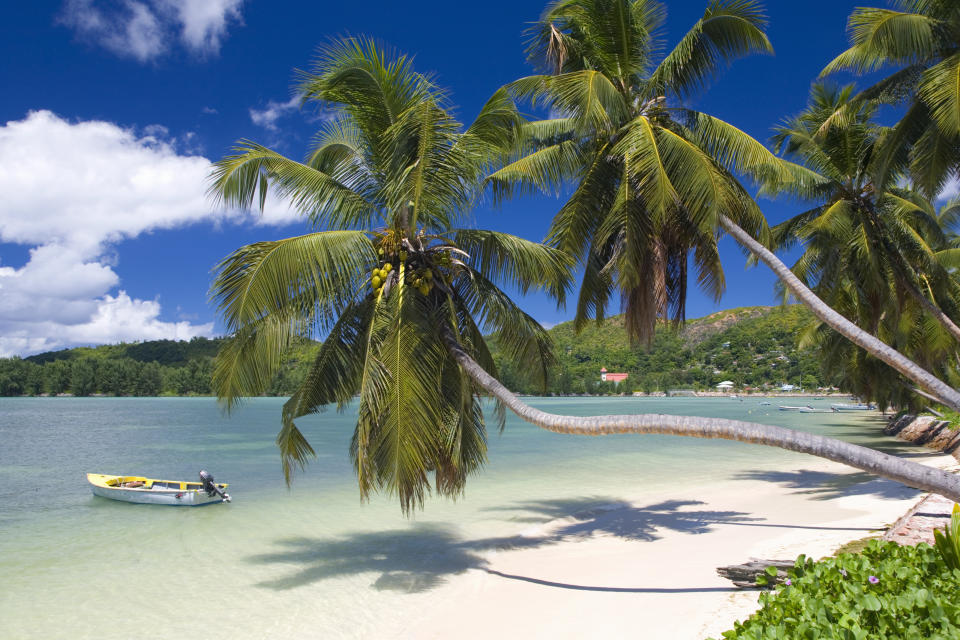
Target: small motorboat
(812,410)
(842,406)
(765,404)
(786,407)
(148,491)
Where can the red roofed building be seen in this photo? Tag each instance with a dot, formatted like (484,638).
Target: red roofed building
(615,378)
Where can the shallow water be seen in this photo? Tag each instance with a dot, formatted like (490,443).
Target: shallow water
(311,561)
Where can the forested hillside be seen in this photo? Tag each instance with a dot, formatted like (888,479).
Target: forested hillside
(753,346)
(153,368)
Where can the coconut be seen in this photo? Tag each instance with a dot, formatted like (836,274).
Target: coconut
(375,281)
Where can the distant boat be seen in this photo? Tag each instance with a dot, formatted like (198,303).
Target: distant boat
(168,492)
(790,408)
(765,403)
(812,410)
(842,406)
(733,395)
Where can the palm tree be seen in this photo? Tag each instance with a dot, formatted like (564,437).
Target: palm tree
(652,178)
(921,39)
(386,181)
(877,236)
(404,304)
(653,181)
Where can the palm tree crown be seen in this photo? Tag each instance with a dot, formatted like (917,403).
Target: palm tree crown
(650,179)
(388,277)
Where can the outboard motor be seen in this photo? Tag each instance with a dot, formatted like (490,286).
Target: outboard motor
(211,487)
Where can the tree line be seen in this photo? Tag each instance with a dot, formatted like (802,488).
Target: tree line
(150,368)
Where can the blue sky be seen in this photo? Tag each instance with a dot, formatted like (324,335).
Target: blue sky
(112,111)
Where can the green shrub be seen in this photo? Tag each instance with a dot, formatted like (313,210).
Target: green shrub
(948,542)
(887,591)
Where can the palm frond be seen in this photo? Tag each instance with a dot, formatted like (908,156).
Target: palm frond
(884,36)
(729,29)
(940,89)
(315,274)
(239,178)
(502,257)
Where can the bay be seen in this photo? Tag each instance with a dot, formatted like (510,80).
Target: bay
(311,560)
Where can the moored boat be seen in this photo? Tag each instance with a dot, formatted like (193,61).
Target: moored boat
(786,407)
(842,406)
(167,492)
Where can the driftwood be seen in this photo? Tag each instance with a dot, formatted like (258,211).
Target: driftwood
(745,575)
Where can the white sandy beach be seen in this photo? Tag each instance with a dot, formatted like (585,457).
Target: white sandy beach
(648,569)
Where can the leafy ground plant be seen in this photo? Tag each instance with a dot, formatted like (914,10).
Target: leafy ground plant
(887,591)
(948,542)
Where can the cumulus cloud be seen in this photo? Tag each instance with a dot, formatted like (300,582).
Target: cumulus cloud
(146,29)
(72,191)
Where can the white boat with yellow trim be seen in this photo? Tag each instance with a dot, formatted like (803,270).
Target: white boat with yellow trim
(149,491)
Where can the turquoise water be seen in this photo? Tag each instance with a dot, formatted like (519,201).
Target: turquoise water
(311,561)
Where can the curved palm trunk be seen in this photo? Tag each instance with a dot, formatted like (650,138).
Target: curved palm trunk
(944,392)
(881,464)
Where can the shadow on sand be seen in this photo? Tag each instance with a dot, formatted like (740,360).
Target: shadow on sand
(822,485)
(423,556)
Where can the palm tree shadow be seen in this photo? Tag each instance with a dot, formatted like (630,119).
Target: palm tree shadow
(822,485)
(423,556)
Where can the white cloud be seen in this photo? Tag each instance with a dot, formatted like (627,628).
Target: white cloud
(268,116)
(203,23)
(146,29)
(72,191)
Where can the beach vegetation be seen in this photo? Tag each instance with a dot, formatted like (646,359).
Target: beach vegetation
(885,591)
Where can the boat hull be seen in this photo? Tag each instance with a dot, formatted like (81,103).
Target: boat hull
(851,407)
(150,494)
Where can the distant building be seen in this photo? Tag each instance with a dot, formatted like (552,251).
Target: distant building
(615,378)
(787,387)
(726,385)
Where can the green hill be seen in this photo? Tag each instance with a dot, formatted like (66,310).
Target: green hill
(151,368)
(754,346)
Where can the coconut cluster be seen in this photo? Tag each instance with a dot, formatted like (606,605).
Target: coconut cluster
(422,280)
(379,276)
(421,269)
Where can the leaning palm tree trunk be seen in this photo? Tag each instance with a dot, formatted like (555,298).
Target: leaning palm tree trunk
(910,473)
(944,392)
